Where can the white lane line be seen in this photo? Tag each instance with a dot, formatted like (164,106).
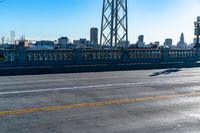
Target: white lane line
(67,88)
(95,86)
(54,80)
(77,79)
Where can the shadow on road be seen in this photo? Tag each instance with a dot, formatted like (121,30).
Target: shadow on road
(166,72)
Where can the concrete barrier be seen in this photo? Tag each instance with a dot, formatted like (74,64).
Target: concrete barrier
(89,68)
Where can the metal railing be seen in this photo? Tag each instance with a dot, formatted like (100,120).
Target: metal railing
(88,57)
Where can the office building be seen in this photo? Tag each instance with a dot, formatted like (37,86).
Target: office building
(63,41)
(23,44)
(168,43)
(181,43)
(140,42)
(94,36)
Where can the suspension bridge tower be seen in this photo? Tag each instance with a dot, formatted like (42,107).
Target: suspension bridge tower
(114,25)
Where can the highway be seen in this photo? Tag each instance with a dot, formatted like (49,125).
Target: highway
(140,101)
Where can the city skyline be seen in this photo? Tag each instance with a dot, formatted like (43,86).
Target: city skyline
(49,19)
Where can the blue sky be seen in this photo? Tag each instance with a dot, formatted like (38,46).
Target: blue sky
(50,19)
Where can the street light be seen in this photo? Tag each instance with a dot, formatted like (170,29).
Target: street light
(198,18)
(197,31)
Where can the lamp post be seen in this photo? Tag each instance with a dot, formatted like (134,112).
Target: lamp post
(197,32)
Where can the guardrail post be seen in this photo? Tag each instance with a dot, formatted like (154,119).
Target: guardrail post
(165,55)
(125,56)
(198,54)
(78,57)
(22,57)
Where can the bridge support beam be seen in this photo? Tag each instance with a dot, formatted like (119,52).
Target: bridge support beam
(114,25)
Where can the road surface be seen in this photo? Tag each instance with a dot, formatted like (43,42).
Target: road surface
(146,101)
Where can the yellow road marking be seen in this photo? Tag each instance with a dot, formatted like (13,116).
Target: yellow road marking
(95,104)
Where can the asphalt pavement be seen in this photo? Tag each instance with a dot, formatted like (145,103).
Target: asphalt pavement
(140,101)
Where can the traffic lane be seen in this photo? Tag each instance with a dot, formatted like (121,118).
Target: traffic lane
(172,115)
(123,83)
(108,78)
(98,103)
(140,73)
(54,98)
(42,98)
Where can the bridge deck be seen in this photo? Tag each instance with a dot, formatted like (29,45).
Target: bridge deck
(148,101)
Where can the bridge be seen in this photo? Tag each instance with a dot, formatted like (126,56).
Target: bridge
(141,101)
(114,23)
(150,101)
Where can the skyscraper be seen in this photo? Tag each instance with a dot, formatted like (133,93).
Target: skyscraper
(140,42)
(94,35)
(181,43)
(168,42)
(12,37)
(2,40)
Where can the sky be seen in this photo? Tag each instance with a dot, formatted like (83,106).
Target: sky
(50,19)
